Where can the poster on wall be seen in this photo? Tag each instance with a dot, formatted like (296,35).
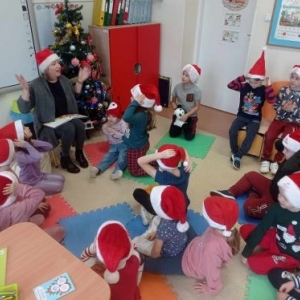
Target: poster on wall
(235,4)
(285,24)
(230,31)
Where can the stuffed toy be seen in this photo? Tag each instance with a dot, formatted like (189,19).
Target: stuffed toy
(179,112)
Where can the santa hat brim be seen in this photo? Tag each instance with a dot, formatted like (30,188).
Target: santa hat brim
(19,130)
(291,144)
(46,63)
(290,191)
(10,154)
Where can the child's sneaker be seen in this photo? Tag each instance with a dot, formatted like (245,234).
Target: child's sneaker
(145,216)
(274,167)
(236,162)
(264,167)
(116,175)
(222,193)
(94,172)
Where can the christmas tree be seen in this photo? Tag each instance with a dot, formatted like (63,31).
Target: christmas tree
(75,49)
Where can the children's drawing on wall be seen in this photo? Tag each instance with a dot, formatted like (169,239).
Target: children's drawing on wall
(233,20)
(235,4)
(230,37)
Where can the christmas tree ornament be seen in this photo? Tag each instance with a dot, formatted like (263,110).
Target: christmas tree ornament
(72,47)
(69,26)
(83,42)
(75,62)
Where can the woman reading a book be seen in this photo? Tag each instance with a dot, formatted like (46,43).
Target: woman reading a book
(52,95)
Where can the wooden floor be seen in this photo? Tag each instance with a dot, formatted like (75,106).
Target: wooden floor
(210,120)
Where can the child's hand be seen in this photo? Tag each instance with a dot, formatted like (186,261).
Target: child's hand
(287,287)
(19,143)
(184,118)
(99,268)
(43,206)
(282,296)
(151,236)
(167,153)
(140,98)
(200,286)
(10,188)
(244,260)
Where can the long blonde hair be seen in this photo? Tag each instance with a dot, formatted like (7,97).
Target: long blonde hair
(234,241)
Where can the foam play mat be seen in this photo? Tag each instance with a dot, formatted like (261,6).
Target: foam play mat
(243,218)
(95,151)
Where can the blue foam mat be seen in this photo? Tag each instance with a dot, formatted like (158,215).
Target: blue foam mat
(243,218)
(82,229)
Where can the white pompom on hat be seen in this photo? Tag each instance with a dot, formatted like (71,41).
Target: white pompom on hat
(13,131)
(292,141)
(45,58)
(221,213)
(296,70)
(114,110)
(258,71)
(168,202)
(7,151)
(172,162)
(194,72)
(7,177)
(151,93)
(113,248)
(290,188)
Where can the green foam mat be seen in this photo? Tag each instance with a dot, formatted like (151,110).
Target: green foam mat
(198,147)
(259,287)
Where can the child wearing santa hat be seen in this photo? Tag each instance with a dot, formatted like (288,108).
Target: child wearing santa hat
(206,254)
(263,191)
(114,129)
(20,202)
(140,115)
(170,237)
(287,119)
(186,95)
(275,241)
(53,95)
(253,93)
(122,264)
(168,157)
(29,154)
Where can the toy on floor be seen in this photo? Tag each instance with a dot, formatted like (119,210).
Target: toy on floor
(179,112)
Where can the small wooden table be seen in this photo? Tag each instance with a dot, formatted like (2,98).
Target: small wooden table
(33,257)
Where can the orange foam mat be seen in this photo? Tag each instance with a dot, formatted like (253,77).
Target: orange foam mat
(155,286)
(60,208)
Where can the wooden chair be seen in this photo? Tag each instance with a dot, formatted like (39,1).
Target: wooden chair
(268,115)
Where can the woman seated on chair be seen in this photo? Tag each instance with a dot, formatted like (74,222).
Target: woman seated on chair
(52,95)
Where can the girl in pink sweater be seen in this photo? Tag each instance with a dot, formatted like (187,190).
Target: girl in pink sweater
(206,254)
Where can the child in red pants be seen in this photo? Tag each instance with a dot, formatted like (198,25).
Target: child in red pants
(278,234)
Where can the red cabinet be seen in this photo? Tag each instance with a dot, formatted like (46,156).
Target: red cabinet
(130,55)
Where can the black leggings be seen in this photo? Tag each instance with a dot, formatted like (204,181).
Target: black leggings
(143,198)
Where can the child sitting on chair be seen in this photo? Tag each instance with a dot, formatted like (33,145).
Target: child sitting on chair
(29,153)
(168,157)
(206,254)
(286,121)
(274,242)
(167,237)
(113,129)
(253,92)
(121,263)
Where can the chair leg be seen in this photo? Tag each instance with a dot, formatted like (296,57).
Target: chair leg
(54,158)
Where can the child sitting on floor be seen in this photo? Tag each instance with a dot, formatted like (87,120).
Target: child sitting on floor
(113,129)
(122,264)
(169,237)
(206,254)
(275,241)
(168,157)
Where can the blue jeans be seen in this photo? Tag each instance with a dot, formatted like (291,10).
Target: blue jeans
(252,127)
(116,153)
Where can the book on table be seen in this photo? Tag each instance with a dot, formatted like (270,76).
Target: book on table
(64,119)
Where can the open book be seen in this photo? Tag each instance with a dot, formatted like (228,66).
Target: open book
(64,119)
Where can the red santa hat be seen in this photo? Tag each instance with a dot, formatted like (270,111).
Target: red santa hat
(290,188)
(296,70)
(7,151)
(221,213)
(151,93)
(45,58)
(172,162)
(7,177)
(194,72)
(292,141)
(258,71)
(114,110)
(113,248)
(13,131)
(168,202)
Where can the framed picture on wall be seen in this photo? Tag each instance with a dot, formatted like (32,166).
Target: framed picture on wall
(285,24)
